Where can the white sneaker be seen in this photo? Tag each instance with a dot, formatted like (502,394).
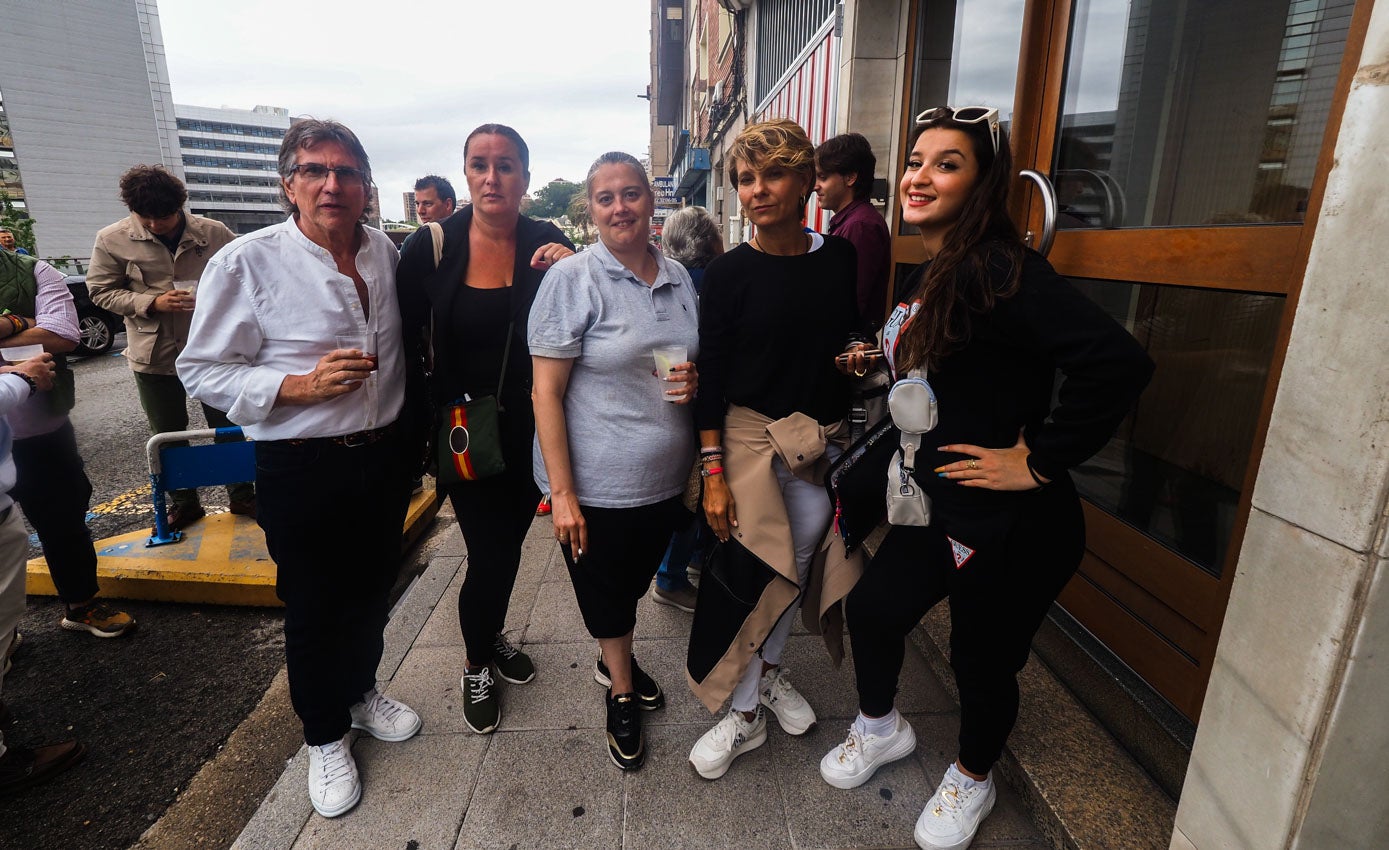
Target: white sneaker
(731,737)
(953,815)
(334,786)
(385,719)
(792,711)
(853,762)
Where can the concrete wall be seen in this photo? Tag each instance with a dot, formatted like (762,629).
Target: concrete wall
(872,73)
(84,105)
(1292,743)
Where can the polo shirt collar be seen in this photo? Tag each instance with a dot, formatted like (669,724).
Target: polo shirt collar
(617,271)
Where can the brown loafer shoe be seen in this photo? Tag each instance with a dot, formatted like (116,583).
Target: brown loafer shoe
(21,767)
(243,507)
(181,518)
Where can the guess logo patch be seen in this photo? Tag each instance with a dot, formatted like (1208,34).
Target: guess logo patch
(960,552)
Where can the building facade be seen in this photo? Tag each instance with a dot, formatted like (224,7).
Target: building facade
(63,171)
(229,163)
(412,216)
(1215,168)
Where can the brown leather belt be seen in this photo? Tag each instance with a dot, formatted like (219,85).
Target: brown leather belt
(354,440)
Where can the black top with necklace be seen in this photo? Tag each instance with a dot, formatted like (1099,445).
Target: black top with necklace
(770,327)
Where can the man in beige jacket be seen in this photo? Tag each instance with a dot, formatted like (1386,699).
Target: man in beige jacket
(145,267)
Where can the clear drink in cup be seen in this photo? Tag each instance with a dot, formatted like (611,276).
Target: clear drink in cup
(19,353)
(667,358)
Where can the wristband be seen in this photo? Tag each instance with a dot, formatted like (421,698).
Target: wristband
(717,470)
(1033,472)
(709,450)
(33,385)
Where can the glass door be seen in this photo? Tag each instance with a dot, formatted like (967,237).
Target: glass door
(1186,145)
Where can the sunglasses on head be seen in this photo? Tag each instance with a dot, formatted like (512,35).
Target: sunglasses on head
(964,115)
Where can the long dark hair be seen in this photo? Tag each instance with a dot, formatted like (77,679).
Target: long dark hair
(961,279)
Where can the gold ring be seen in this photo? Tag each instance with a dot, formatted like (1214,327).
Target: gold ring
(973,464)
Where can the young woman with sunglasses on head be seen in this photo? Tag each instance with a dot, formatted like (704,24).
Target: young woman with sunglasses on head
(989,323)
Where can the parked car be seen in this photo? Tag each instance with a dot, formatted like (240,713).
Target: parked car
(98,327)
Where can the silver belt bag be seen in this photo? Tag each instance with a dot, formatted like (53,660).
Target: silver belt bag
(912,404)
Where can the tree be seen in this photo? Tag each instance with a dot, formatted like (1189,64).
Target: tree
(17,222)
(554,198)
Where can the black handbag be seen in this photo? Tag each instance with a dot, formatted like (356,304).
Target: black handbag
(730,587)
(856,483)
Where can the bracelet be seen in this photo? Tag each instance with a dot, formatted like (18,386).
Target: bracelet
(33,385)
(718,470)
(1033,472)
(710,450)
(711,458)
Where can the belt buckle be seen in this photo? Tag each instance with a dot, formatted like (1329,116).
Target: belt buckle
(858,415)
(357,440)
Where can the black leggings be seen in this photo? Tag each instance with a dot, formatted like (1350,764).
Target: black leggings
(494,515)
(998,597)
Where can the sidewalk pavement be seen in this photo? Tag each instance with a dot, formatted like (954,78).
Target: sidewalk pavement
(544,780)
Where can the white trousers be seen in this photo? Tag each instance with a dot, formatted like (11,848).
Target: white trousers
(809,509)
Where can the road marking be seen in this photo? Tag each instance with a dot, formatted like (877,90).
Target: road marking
(136,501)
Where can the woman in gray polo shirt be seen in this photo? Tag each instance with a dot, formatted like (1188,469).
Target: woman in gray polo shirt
(614,445)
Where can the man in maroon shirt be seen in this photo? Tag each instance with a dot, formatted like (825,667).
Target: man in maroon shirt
(843,181)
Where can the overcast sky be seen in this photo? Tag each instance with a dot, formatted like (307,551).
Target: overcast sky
(412,79)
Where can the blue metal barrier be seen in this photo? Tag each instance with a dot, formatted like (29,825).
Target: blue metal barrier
(186,467)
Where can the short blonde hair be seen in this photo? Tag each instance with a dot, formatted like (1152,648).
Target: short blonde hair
(779,141)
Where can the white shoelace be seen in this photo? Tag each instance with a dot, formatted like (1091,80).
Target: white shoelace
(780,686)
(504,648)
(384,710)
(953,799)
(481,683)
(335,764)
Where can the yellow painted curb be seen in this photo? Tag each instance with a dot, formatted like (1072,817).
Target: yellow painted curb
(221,560)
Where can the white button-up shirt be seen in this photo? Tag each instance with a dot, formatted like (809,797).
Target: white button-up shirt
(272,304)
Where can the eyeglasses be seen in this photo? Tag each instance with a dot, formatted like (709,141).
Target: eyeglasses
(316,173)
(964,115)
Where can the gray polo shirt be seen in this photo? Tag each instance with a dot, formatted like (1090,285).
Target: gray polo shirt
(627,446)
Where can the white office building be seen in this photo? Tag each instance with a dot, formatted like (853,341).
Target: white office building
(70,125)
(229,163)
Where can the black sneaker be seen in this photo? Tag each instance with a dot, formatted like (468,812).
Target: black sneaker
(481,710)
(512,664)
(626,746)
(649,696)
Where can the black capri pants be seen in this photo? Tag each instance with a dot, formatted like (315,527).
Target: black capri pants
(999,593)
(625,546)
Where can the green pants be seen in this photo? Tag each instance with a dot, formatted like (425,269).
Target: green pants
(166,407)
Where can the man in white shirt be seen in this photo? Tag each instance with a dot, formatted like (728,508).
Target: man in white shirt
(298,338)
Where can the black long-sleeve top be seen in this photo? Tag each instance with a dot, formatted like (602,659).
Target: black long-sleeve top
(1001,381)
(769,329)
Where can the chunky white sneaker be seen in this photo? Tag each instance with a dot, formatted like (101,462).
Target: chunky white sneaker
(792,711)
(731,737)
(385,719)
(953,815)
(334,786)
(853,762)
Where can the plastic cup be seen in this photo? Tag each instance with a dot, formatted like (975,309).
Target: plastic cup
(667,358)
(189,286)
(20,353)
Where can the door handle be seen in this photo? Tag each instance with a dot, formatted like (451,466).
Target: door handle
(1048,210)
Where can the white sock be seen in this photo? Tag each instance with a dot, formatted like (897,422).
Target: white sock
(878,727)
(967,782)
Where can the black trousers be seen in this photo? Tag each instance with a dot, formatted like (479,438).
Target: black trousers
(332,517)
(998,597)
(494,515)
(625,546)
(53,490)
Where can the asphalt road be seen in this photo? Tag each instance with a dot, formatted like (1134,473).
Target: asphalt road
(151,707)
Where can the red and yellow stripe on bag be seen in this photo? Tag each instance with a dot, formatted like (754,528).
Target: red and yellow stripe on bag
(458,433)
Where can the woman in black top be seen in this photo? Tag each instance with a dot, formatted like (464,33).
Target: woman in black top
(477,302)
(989,323)
(774,314)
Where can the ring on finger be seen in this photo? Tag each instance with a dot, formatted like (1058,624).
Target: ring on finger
(973,464)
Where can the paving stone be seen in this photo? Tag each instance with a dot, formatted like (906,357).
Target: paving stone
(671,806)
(562,695)
(548,790)
(411,795)
(556,618)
